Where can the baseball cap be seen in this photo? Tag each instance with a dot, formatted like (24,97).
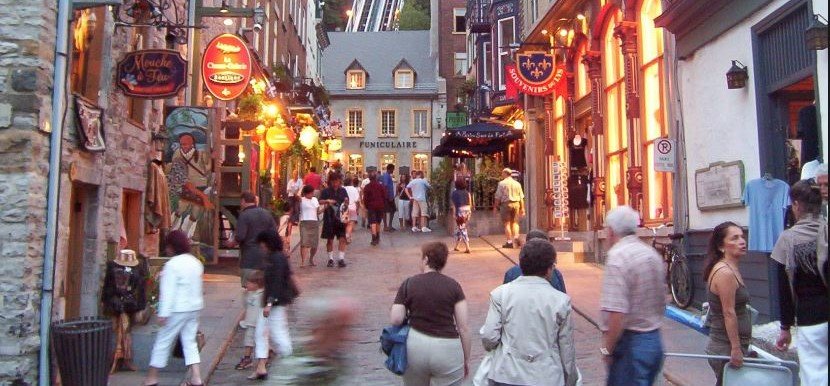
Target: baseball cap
(507,170)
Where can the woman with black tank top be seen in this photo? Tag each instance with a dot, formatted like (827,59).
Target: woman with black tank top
(729,318)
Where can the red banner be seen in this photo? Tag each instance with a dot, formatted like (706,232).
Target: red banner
(555,83)
(226,67)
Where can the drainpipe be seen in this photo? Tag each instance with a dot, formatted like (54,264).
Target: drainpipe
(53,188)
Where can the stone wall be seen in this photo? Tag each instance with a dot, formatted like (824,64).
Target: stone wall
(25,84)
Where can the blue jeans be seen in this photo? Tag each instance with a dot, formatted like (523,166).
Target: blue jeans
(637,359)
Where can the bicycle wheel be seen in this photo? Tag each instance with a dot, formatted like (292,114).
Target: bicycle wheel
(681,283)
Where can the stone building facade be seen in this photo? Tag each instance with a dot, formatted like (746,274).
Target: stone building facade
(25,83)
(100,193)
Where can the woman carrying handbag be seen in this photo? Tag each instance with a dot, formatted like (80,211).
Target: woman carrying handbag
(438,345)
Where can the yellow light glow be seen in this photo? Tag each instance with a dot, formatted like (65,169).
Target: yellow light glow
(518,124)
(309,137)
(261,129)
(580,17)
(271,110)
(228,22)
(563,32)
(349,13)
(241,156)
(355,156)
(545,32)
(338,155)
(335,145)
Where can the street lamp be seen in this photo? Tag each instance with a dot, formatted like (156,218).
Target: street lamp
(737,76)
(816,34)
(224,8)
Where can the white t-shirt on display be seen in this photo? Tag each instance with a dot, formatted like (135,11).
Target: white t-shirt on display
(419,188)
(308,209)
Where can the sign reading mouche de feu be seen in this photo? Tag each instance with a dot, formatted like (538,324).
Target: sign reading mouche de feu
(535,73)
(152,73)
(226,66)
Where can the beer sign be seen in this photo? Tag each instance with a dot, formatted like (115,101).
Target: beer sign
(226,67)
(152,74)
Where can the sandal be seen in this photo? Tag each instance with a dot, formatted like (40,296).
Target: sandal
(258,377)
(245,363)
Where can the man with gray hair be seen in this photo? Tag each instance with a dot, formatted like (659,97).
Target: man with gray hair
(632,303)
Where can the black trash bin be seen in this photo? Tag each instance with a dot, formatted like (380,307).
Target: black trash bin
(83,349)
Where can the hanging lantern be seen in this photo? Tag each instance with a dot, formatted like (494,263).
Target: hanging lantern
(261,129)
(309,137)
(279,138)
(335,144)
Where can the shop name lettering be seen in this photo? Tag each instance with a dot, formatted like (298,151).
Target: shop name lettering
(389,145)
(152,70)
(527,88)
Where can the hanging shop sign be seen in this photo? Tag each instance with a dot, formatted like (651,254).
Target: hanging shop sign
(226,67)
(90,124)
(152,74)
(534,73)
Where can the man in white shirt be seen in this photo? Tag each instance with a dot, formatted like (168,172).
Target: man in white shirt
(418,191)
(509,201)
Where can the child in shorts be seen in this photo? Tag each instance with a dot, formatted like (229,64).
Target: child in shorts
(255,286)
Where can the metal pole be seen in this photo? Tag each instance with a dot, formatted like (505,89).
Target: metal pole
(53,187)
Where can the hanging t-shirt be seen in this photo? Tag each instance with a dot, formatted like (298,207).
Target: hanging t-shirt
(576,152)
(767,201)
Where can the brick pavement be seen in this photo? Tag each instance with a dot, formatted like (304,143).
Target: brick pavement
(372,278)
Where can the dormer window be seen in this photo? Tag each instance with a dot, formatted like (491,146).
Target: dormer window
(355,80)
(404,79)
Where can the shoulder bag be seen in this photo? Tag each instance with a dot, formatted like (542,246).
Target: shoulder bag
(393,343)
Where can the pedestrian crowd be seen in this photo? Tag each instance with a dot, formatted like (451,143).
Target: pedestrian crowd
(528,330)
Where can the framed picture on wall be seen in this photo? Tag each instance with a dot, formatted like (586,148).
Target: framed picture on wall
(90,124)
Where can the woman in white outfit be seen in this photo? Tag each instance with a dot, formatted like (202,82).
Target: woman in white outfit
(280,291)
(180,301)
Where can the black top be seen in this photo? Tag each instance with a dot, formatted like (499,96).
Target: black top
(124,289)
(252,221)
(578,191)
(430,299)
(278,288)
(339,196)
(811,305)
(460,198)
(576,153)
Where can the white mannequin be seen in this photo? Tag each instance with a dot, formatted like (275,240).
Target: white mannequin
(577,140)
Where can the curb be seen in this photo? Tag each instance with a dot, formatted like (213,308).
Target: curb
(666,374)
(223,348)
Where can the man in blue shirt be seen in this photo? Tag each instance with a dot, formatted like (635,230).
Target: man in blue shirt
(556,279)
(389,183)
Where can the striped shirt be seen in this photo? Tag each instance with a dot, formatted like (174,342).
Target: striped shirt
(635,285)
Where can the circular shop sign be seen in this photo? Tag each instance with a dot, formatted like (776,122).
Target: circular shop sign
(226,66)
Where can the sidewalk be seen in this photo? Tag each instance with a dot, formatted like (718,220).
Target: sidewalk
(224,308)
(583,282)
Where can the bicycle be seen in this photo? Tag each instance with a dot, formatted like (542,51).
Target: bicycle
(678,274)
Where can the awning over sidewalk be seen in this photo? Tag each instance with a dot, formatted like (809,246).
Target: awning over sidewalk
(476,139)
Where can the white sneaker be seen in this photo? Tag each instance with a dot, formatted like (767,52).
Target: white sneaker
(425,230)
(415,229)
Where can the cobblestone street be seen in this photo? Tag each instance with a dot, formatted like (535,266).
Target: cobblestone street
(372,277)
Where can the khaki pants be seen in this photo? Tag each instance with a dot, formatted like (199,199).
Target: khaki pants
(433,361)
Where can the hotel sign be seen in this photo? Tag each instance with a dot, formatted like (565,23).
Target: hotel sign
(534,73)
(226,67)
(152,73)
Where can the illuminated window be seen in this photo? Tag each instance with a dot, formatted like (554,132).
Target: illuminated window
(388,124)
(404,79)
(459,20)
(354,123)
(355,80)
(420,123)
(388,158)
(583,84)
(88,33)
(355,163)
(559,128)
(506,38)
(657,185)
(420,163)
(615,120)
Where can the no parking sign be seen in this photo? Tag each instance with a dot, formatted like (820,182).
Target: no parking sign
(664,155)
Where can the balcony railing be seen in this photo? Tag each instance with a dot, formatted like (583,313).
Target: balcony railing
(478,16)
